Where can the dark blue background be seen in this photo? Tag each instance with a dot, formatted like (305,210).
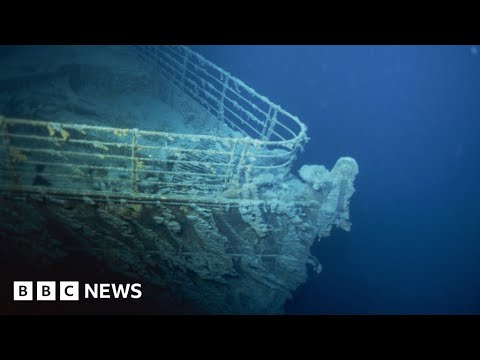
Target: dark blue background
(410,116)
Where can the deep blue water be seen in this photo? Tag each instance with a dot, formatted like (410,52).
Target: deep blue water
(410,116)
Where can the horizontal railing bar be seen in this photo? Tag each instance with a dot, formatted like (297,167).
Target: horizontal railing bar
(94,167)
(95,143)
(62,153)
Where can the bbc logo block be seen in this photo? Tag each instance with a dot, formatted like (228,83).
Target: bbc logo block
(69,290)
(45,291)
(22,290)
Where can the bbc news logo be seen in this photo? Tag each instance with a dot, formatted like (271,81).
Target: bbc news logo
(71,291)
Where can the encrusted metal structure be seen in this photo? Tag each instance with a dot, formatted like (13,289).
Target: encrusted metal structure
(212,216)
(149,165)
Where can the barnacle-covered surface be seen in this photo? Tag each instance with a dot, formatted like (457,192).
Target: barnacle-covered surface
(176,180)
